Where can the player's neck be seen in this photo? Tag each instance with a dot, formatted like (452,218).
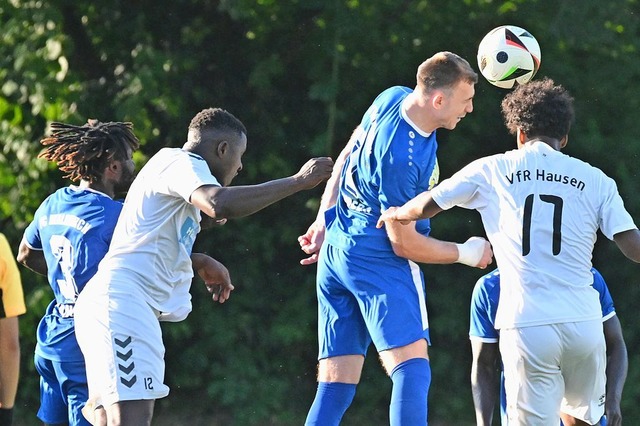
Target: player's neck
(552,142)
(98,186)
(414,107)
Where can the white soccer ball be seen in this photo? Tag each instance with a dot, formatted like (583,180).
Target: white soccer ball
(508,55)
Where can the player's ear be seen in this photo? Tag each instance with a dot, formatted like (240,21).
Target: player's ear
(564,141)
(113,167)
(437,99)
(222,148)
(521,138)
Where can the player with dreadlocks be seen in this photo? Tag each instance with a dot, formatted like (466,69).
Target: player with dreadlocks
(70,233)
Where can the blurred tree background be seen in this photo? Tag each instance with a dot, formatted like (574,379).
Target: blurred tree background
(299,74)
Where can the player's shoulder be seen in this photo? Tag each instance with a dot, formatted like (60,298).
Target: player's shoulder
(392,95)
(574,164)
(598,281)
(488,285)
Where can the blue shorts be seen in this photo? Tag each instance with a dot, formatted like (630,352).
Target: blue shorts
(63,391)
(364,299)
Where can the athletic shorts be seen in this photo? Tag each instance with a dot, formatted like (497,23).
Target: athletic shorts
(121,340)
(63,391)
(363,300)
(554,368)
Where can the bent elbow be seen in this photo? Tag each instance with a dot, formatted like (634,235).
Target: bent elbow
(399,250)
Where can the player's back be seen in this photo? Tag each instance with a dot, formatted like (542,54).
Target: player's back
(73,227)
(552,206)
(541,210)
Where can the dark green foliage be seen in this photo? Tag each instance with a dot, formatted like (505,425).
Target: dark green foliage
(299,74)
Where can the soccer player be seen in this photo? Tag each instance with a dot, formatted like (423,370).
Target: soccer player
(11,306)
(146,274)
(486,366)
(541,210)
(70,233)
(369,288)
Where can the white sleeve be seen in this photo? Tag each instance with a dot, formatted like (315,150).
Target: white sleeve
(193,173)
(614,218)
(465,188)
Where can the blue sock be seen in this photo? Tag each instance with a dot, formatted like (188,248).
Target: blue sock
(330,404)
(411,380)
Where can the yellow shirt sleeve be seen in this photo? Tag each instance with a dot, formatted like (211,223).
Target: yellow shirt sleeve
(12,296)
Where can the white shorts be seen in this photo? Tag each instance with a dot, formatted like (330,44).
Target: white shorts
(554,368)
(121,340)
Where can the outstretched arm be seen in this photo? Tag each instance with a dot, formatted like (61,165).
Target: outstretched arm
(238,201)
(485,375)
(410,244)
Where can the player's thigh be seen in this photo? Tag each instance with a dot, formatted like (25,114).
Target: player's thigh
(73,380)
(392,300)
(137,413)
(341,327)
(121,340)
(53,407)
(583,368)
(534,384)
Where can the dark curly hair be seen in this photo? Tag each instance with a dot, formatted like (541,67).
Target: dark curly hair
(83,152)
(539,108)
(216,119)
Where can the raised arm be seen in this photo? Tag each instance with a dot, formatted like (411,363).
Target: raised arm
(485,379)
(238,201)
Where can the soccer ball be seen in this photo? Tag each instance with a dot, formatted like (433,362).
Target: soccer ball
(508,55)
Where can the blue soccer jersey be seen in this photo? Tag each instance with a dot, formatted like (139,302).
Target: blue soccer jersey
(73,227)
(484,305)
(391,162)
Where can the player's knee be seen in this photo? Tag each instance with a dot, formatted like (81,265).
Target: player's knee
(342,369)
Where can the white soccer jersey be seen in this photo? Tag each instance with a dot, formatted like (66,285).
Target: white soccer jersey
(152,241)
(541,210)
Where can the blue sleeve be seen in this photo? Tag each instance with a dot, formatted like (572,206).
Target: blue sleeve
(32,232)
(606,301)
(483,308)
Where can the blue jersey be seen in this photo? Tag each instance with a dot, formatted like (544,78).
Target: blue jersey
(484,305)
(392,161)
(73,227)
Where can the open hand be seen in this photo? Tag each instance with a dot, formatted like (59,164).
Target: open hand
(389,215)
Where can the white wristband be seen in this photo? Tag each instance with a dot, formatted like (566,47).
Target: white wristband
(470,253)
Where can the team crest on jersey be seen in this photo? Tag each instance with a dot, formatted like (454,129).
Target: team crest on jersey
(435,175)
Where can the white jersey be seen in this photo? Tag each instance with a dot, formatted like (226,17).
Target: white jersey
(541,210)
(154,236)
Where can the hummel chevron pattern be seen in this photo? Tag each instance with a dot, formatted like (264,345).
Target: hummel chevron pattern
(124,365)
